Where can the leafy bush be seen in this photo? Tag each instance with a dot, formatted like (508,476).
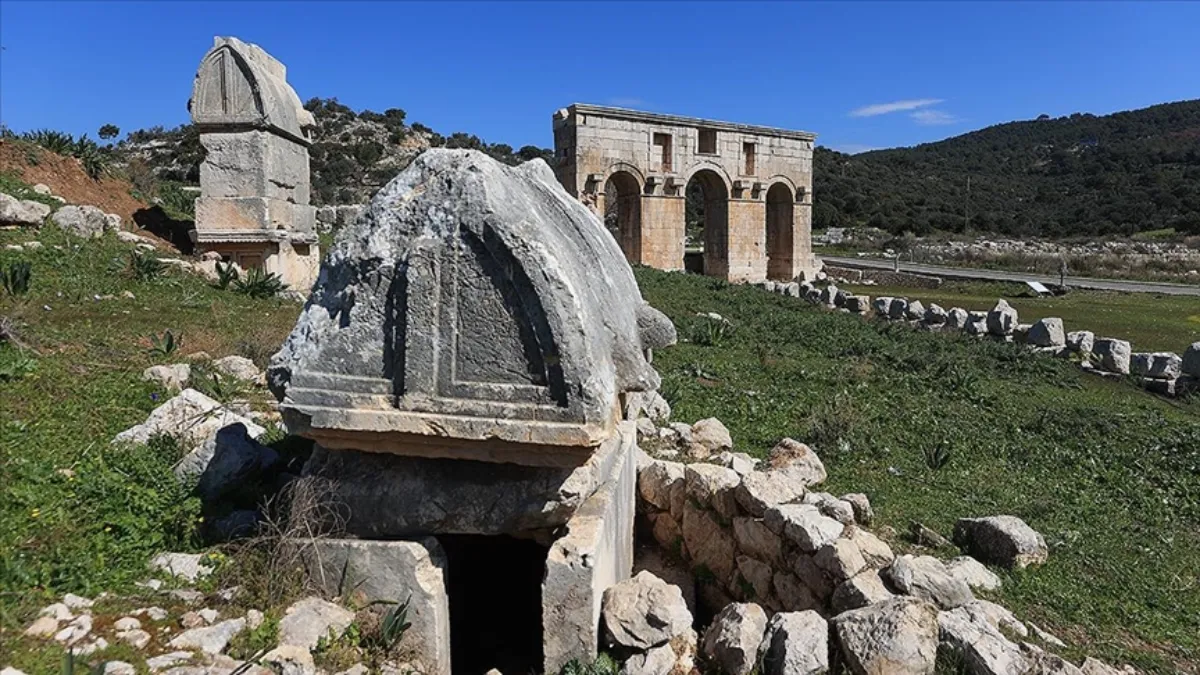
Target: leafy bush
(54,141)
(15,277)
(95,159)
(259,284)
(165,344)
(227,273)
(142,267)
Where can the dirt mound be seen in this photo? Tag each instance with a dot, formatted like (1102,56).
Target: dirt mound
(67,179)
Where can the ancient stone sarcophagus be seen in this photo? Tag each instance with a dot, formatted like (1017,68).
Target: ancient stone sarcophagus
(254,207)
(463,364)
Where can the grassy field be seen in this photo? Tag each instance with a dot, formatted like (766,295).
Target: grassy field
(1150,322)
(77,514)
(1109,474)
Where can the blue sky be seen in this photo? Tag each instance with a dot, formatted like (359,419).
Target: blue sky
(861,75)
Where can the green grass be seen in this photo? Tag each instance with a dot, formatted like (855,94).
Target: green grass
(1151,322)
(11,184)
(76,513)
(1109,474)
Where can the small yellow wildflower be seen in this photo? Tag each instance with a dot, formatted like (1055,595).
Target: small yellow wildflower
(35,513)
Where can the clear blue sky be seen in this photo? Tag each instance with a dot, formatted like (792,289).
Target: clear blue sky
(860,75)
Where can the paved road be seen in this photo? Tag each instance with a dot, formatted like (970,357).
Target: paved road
(1001,275)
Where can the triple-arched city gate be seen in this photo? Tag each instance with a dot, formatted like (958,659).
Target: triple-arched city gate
(749,217)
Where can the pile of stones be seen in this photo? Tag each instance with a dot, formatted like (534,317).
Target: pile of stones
(799,585)
(1165,373)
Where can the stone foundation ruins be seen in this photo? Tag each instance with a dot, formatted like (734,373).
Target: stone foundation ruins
(463,364)
(254,207)
(634,169)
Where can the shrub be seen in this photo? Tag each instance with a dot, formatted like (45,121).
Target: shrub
(15,278)
(227,273)
(166,344)
(259,284)
(142,267)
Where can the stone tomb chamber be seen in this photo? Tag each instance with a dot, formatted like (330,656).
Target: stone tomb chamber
(462,366)
(254,206)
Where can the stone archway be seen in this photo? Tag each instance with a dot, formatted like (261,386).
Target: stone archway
(623,213)
(780,216)
(706,227)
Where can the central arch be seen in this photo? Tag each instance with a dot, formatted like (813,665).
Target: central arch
(779,232)
(706,224)
(623,213)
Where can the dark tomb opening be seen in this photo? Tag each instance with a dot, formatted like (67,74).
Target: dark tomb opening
(495,589)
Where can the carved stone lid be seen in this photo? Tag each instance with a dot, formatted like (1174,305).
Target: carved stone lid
(241,85)
(471,301)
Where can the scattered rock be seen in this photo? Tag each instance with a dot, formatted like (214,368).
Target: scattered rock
(982,647)
(119,668)
(136,638)
(973,573)
(87,222)
(187,596)
(168,660)
(733,639)
(1002,320)
(153,613)
(1081,341)
(208,615)
(1091,666)
(897,308)
(290,660)
(840,560)
(58,611)
(238,367)
(863,513)
(796,643)
(172,378)
(741,463)
(23,212)
(897,637)
(935,315)
(957,318)
(712,485)
(42,627)
(995,615)
(1113,354)
(211,639)
(711,435)
(310,619)
(925,536)
(1191,360)
(1001,540)
(662,484)
(797,461)
(127,623)
(77,602)
(927,578)
(1047,332)
(190,417)
(187,566)
(254,619)
(76,630)
(1161,365)
(644,612)
(228,459)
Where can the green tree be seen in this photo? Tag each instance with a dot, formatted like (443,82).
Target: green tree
(109,131)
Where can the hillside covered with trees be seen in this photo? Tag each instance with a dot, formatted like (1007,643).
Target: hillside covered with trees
(1079,175)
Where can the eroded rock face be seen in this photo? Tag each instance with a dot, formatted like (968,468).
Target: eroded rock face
(87,222)
(733,639)
(1001,540)
(896,637)
(1114,355)
(1002,320)
(644,612)
(982,647)
(797,461)
(796,643)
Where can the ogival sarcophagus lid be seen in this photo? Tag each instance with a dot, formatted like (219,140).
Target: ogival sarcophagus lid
(474,310)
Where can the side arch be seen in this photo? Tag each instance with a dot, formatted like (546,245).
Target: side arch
(622,212)
(780,231)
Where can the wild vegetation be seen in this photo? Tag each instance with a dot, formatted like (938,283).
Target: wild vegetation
(1078,175)
(937,427)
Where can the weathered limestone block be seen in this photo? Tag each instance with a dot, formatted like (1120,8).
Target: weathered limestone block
(935,315)
(898,637)
(1113,354)
(733,639)
(796,643)
(87,222)
(1081,341)
(644,612)
(660,482)
(1002,319)
(753,581)
(1191,360)
(391,571)
(1001,540)
(1047,332)
(927,578)
(866,588)
(755,538)
(708,543)
(713,486)
(596,553)
(190,417)
(915,311)
(26,212)
(882,306)
(1159,365)
(897,308)
(761,490)
(957,318)
(973,573)
(804,525)
(797,461)
(982,647)
(464,266)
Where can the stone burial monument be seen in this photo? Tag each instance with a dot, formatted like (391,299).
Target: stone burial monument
(254,207)
(462,365)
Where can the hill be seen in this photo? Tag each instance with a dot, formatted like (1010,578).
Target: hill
(353,153)
(1077,175)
